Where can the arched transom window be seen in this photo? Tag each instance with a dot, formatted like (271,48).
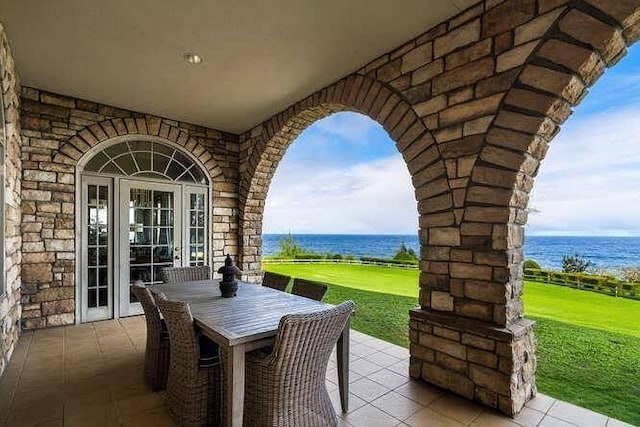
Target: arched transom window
(146,159)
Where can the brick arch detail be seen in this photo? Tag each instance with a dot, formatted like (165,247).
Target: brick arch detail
(585,38)
(358,93)
(73,149)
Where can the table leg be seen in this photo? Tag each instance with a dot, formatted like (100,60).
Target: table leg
(234,382)
(342,353)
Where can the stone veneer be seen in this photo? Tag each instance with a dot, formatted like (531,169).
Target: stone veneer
(56,131)
(472,105)
(10,300)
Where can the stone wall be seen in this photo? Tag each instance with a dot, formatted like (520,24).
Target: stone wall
(56,132)
(10,300)
(472,105)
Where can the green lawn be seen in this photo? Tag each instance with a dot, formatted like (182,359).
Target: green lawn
(588,343)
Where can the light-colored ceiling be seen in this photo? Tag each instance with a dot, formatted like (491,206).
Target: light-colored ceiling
(260,56)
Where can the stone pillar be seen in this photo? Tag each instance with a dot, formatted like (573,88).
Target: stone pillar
(477,360)
(10,309)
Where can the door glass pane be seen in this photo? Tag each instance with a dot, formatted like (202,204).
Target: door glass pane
(197,229)
(151,234)
(97,268)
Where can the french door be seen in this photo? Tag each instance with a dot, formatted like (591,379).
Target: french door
(96,294)
(133,229)
(150,236)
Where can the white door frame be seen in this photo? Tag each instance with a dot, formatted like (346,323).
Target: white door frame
(97,313)
(187,188)
(126,308)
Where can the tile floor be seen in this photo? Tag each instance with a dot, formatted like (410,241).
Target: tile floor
(91,375)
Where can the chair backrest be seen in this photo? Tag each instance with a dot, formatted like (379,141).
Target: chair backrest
(275,281)
(185,349)
(185,274)
(304,343)
(151,314)
(309,289)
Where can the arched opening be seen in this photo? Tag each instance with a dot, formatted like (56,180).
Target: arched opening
(583,234)
(143,205)
(570,57)
(344,194)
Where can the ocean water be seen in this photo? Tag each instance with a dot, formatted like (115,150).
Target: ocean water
(604,252)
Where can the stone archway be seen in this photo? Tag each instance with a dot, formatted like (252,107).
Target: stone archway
(49,190)
(575,41)
(267,144)
(72,150)
(490,86)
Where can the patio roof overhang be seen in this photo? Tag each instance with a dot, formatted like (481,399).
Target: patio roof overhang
(259,57)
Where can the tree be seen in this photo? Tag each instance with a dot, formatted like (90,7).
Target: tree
(289,248)
(575,263)
(405,254)
(531,264)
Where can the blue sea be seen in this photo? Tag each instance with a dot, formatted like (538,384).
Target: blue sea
(604,252)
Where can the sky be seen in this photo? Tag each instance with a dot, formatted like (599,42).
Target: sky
(344,175)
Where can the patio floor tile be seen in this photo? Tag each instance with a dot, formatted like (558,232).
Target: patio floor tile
(364,367)
(577,415)
(397,405)
(549,421)
(541,403)
(368,390)
(419,392)
(388,378)
(91,375)
(457,408)
(529,417)
(362,350)
(431,418)
(382,359)
(370,416)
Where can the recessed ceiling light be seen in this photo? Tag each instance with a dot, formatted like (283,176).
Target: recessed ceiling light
(192,58)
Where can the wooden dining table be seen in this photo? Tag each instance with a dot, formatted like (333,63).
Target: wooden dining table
(244,323)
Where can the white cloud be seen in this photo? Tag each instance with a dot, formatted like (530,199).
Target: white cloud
(344,176)
(370,198)
(589,183)
(348,126)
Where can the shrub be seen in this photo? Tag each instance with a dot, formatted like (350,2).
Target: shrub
(405,254)
(308,255)
(630,274)
(531,264)
(575,263)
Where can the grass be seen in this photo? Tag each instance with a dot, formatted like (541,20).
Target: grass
(588,344)
(388,280)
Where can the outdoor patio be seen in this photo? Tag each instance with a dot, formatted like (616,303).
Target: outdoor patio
(91,375)
(112,115)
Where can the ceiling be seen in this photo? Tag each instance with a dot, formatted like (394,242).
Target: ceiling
(259,56)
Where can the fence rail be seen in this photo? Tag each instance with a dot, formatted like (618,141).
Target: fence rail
(601,284)
(337,261)
(587,282)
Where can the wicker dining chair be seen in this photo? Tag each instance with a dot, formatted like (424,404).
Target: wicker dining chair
(194,384)
(287,386)
(185,274)
(156,355)
(275,281)
(309,289)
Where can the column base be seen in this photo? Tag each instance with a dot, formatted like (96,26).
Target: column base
(480,361)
